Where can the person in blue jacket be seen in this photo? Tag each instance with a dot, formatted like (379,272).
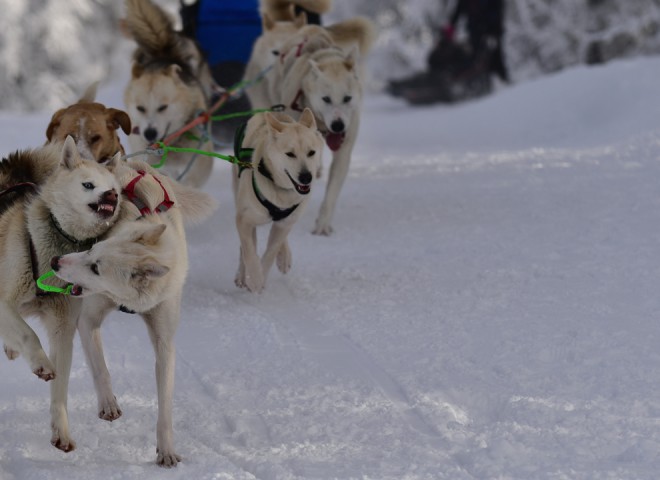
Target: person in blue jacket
(226,31)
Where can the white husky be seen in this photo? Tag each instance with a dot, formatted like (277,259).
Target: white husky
(170,86)
(141,267)
(77,202)
(284,158)
(319,68)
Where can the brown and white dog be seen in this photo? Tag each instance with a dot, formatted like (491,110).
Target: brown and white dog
(92,125)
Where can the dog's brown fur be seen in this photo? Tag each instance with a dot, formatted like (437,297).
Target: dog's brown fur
(92,125)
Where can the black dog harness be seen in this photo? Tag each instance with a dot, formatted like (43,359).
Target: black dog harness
(245,154)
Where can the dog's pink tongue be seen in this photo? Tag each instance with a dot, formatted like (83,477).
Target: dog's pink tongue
(334,140)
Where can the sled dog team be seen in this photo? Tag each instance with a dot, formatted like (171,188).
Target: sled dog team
(113,229)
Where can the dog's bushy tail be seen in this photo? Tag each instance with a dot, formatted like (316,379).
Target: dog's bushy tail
(359,30)
(195,204)
(281,9)
(151,28)
(29,166)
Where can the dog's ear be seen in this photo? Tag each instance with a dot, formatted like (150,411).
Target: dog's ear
(315,68)
(54,123)
(137,70)
(70,156)
(150,270)
(299,20)
(352,58)
(267,23)
(307,119)
(174,71)
(113,162)
(119,118)
(90,94)
(149,236)
(274,125)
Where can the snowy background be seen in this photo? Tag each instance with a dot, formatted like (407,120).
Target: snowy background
(487,308)
(51,50)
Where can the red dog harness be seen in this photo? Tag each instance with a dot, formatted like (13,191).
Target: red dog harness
(129,190)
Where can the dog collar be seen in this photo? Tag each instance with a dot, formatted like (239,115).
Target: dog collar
(275,212)
(129,191)
(84,244)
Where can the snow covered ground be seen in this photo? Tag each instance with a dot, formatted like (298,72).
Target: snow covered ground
(488,308)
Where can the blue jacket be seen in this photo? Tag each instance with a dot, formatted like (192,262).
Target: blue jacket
(227,29)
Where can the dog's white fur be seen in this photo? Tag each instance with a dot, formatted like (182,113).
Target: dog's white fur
(69,187)
(320,68)
(286,155)
(142,266)
(170,85)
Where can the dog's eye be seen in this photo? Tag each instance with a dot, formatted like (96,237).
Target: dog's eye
(141,109)
(327,100)
(275,52)
(162,108)
(95,139)
(290,154)
(94,268)
(88,186)
(347,98)
(311,153)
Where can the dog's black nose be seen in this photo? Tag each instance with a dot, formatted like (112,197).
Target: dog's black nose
(305,177)
(337,126)
(150,134)
(55,263)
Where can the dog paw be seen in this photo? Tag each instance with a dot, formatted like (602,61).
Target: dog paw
(167,459)
(61,442)
(44,373)
(110,411)
(11,353)
(322,229)
(283,259)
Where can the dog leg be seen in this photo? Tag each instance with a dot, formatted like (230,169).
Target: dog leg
(162,323)
(284,259)
(94,311)
(61,330)
(11,353)
(277,242)
(17,333)
(338,171)
(253,278)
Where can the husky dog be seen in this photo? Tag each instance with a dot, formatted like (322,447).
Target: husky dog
(76,203)
(285,153)
(170,85)
(92,125)
(266,51)
(319,68)
(140,267)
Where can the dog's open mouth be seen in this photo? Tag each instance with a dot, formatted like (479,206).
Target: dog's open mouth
(104,208)
(301,189)
(76,290)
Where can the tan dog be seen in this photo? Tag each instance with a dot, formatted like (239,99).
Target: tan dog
(92,125)
(74,203)
(142,267)
(285,156)
(267,50)
(169,87)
